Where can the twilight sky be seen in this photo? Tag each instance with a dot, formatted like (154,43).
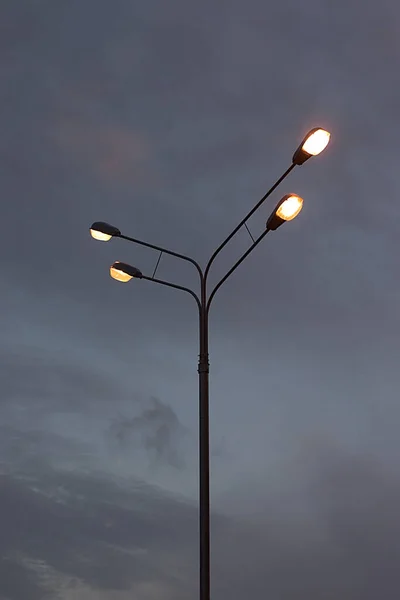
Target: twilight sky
(170,120)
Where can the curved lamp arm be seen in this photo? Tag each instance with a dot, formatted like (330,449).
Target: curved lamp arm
(253,210)
(176,287)
(258,240)
(164,251)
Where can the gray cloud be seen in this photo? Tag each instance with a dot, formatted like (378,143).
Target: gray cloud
(170,121)
(103,554)
(66,410)
(51,383)
(336,534)
(157,428)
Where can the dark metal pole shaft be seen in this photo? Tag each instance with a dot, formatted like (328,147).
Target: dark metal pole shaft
(204,449)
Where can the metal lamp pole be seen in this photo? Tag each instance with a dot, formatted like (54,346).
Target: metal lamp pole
(123,272)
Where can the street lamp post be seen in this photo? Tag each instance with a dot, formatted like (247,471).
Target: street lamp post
(286,209)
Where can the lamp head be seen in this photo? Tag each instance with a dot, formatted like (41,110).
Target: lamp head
(313,143)
(286,210)
(123,272)
(103,231)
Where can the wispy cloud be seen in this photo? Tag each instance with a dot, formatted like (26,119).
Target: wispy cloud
(157,428)
(121,536)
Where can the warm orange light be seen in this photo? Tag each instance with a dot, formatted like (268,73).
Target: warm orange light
(119,275)
(316,142)
(99,235)
(290,208)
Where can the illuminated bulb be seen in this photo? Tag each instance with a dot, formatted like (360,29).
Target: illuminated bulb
(316,142)
(118,274)
(103,231)
(99,235)
(290,208)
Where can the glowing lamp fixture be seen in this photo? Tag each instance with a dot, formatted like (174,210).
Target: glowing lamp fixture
(286,210)
(123,272)
(314,143)
(103,231)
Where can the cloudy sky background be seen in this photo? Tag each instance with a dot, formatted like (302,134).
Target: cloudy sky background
(170,120)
